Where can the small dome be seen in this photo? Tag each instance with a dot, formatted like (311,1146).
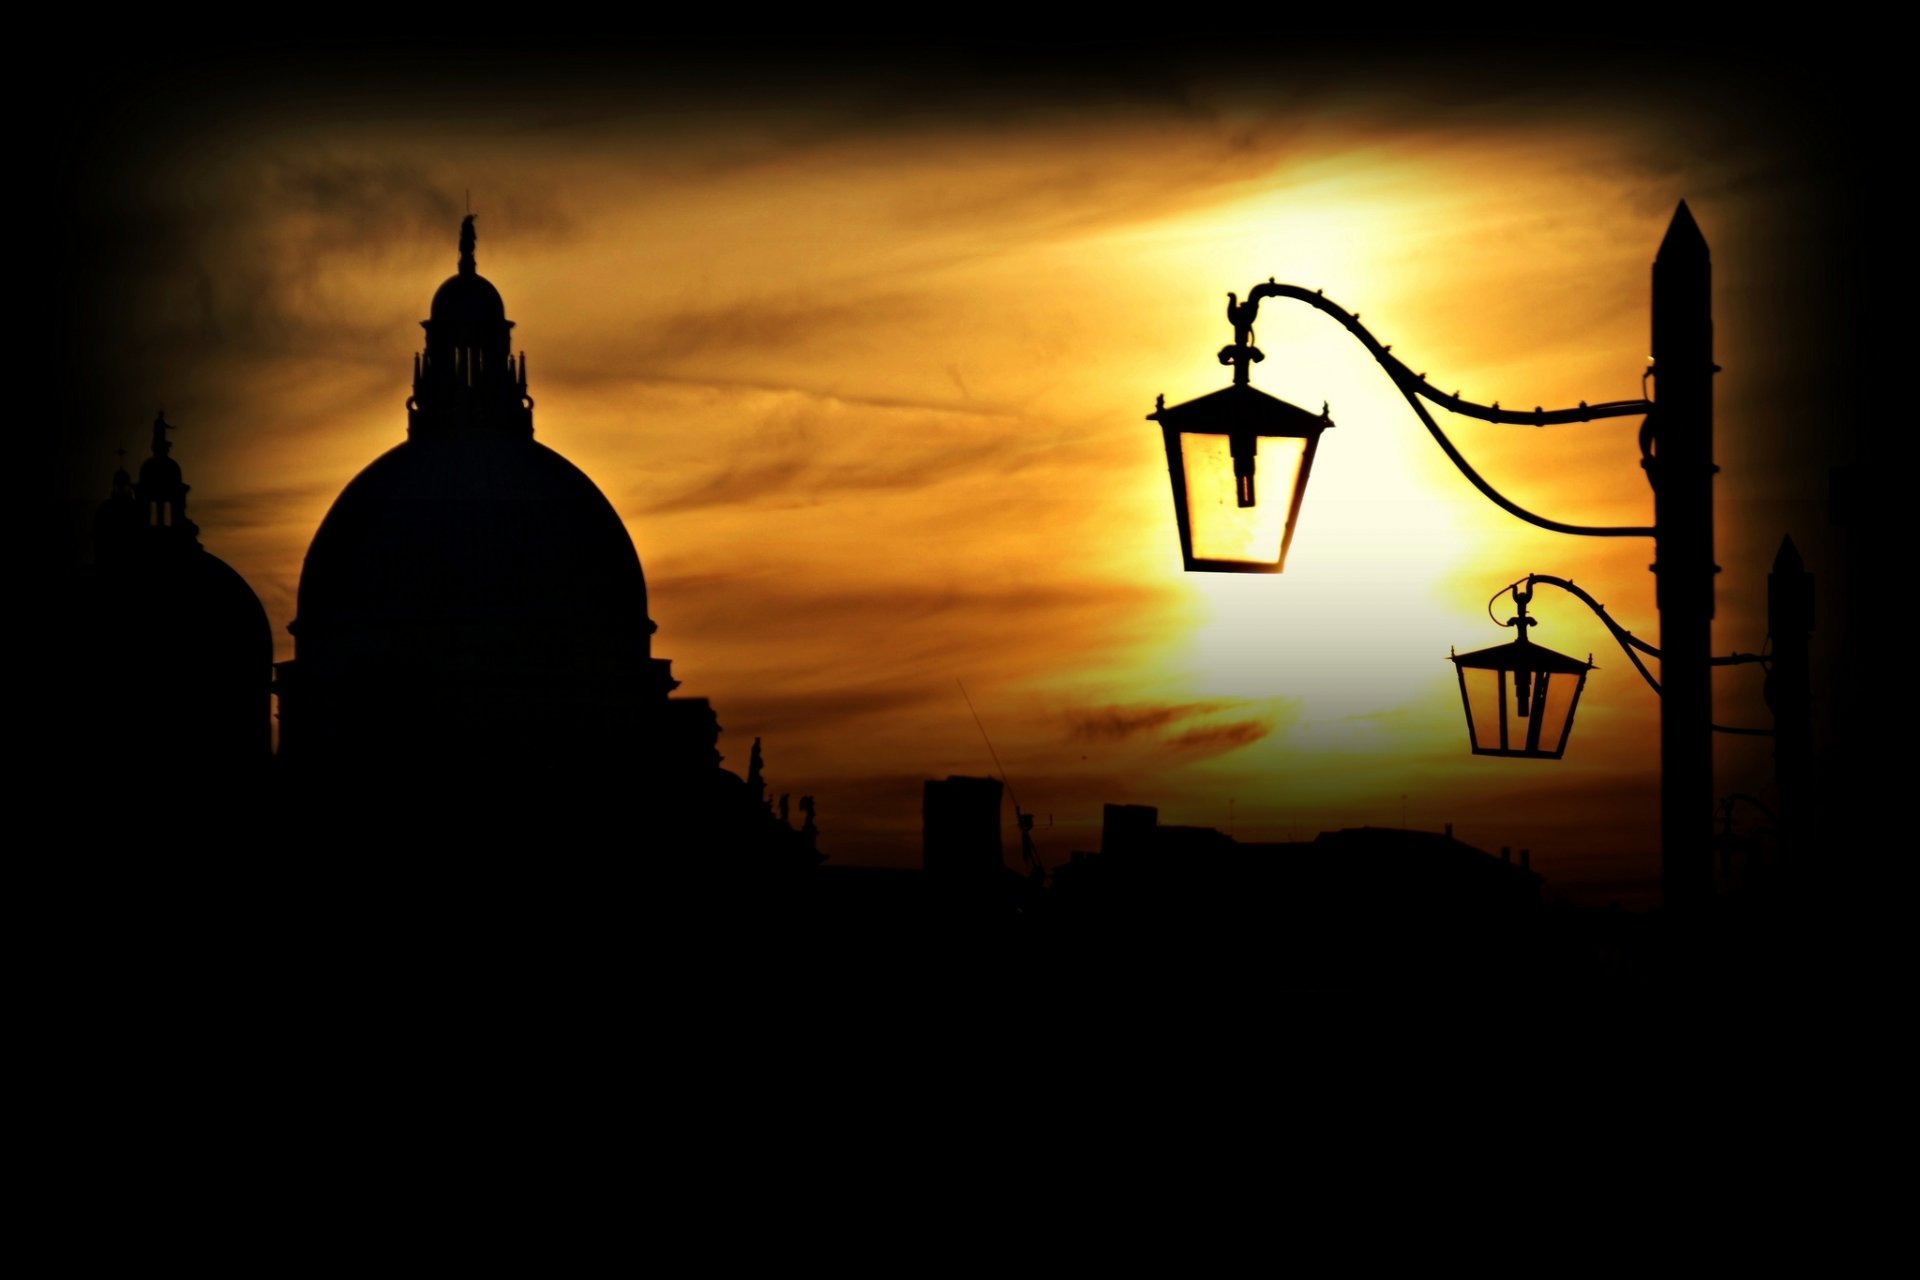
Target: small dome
(176,651)
(467,301)
(159,470)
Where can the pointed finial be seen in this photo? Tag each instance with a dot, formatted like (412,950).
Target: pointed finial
(160,428)
(467,238)
(1788,559)
(1683,236)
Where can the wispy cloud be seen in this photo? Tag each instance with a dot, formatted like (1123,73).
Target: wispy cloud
(1215,738)
(1117,723)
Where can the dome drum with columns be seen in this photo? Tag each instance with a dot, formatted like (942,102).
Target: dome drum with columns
(467,381)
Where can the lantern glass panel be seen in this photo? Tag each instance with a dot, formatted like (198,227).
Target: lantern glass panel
(1555,708)
(1222,528)
(1482,690)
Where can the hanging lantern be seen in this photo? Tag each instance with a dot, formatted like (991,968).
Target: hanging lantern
(1239,461)
(1520,697)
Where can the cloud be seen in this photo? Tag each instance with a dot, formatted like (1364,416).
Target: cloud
(785,605)
(1184,729)
(793,473)
(1116,724)
(257,508)
(1216,738)
(725,444)
(762,323)
(776,713)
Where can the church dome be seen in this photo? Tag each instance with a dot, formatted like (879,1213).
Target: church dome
(472,599)
(201,613)
(464,531)
(170,648)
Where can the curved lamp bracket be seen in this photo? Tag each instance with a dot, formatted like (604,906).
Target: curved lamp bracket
(1415,387)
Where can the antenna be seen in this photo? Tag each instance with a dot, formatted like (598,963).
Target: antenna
(989,741)
(1022,819)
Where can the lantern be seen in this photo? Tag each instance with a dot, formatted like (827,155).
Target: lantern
(1239,461)
(1519,698)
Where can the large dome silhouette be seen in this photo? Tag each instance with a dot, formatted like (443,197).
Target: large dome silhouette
(470,534)
(471,600)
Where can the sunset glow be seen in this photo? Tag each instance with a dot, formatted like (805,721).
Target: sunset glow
(870,395)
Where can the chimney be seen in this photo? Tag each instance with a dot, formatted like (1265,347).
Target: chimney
(1506,853)
(1449,831)
(1526,859)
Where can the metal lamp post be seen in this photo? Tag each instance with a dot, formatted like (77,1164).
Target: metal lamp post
(1231,442)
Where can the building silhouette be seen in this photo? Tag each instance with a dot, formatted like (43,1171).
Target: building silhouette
(1360,904)
(166,657)
(960,828)
(472,666)
(472,602)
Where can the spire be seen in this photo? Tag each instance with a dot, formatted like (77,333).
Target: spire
(1683,239)
(467,239)
(1788,560)
(161,493)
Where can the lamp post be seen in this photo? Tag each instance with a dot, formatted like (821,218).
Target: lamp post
(1231,443)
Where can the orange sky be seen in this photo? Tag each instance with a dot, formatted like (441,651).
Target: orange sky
(865,371)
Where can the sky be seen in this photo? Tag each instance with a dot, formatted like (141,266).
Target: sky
(860,344)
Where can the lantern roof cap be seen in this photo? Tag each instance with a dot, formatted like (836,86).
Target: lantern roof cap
(1241,408)
(1520,655)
